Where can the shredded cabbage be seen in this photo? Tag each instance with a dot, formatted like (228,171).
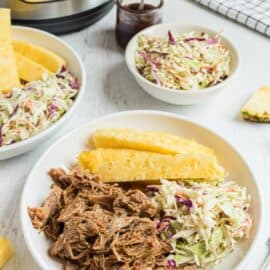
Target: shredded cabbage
(27,110)
(183,62)
(202,222)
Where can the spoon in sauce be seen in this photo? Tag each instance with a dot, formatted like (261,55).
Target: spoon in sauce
(141,6)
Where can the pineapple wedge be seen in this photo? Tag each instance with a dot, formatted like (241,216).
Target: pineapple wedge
(6,251)
(124,165)
(152,141)
(28,69)
(8,70)
(257,109)
(42,56)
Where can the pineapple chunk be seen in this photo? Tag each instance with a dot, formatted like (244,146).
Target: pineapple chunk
(152,141)
(124,165)
(257,109)
(6,251)
(42,56)
(5,91)
(28,69)
(8,70)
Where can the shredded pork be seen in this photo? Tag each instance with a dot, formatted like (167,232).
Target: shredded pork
(99,226)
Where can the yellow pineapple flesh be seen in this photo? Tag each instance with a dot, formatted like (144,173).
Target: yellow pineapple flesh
(40,55)
(6,251)
(257,109)
(154,141)
(28,69)
(8,70)
(124,165)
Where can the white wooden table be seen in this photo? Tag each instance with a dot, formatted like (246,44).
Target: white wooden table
(111,88)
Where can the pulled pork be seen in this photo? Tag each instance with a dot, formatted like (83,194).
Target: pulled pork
(99,226)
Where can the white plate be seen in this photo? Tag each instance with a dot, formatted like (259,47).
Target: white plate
(75,65)
(174,96)
(65,150)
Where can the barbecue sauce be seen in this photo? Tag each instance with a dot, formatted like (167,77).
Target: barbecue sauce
(131,20)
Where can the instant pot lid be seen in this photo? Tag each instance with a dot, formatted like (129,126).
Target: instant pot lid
(82,13)
(50,9)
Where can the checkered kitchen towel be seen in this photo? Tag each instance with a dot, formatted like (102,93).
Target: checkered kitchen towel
(253,13)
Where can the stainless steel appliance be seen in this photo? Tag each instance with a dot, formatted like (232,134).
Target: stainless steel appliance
(57,16)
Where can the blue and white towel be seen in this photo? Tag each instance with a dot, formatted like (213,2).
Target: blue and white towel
(254,14)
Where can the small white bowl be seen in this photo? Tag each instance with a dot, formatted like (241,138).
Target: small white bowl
(75,65)
(174,96)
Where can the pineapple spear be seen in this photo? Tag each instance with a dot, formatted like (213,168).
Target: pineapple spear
(6,251)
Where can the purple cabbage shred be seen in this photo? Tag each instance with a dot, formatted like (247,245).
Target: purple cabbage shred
(171,38)
(74,84)
(194,39)
(63,69)
(52,108)
(164,223)
(14,111)
(212,40)
(148,59)
(60,76)
(157,52)
(162,226)
(153,66)
(152,189)
(167,218)
(171,263)
(187,202)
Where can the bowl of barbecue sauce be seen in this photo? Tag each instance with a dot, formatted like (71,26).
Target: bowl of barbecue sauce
(132,17)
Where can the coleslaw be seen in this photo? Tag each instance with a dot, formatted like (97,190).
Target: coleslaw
(202,222)
(25,111)
(183,62)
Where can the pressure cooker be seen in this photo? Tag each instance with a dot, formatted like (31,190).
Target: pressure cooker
(57,16)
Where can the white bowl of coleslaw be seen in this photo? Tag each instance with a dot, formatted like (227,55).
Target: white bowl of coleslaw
(67,101)
(182,64)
